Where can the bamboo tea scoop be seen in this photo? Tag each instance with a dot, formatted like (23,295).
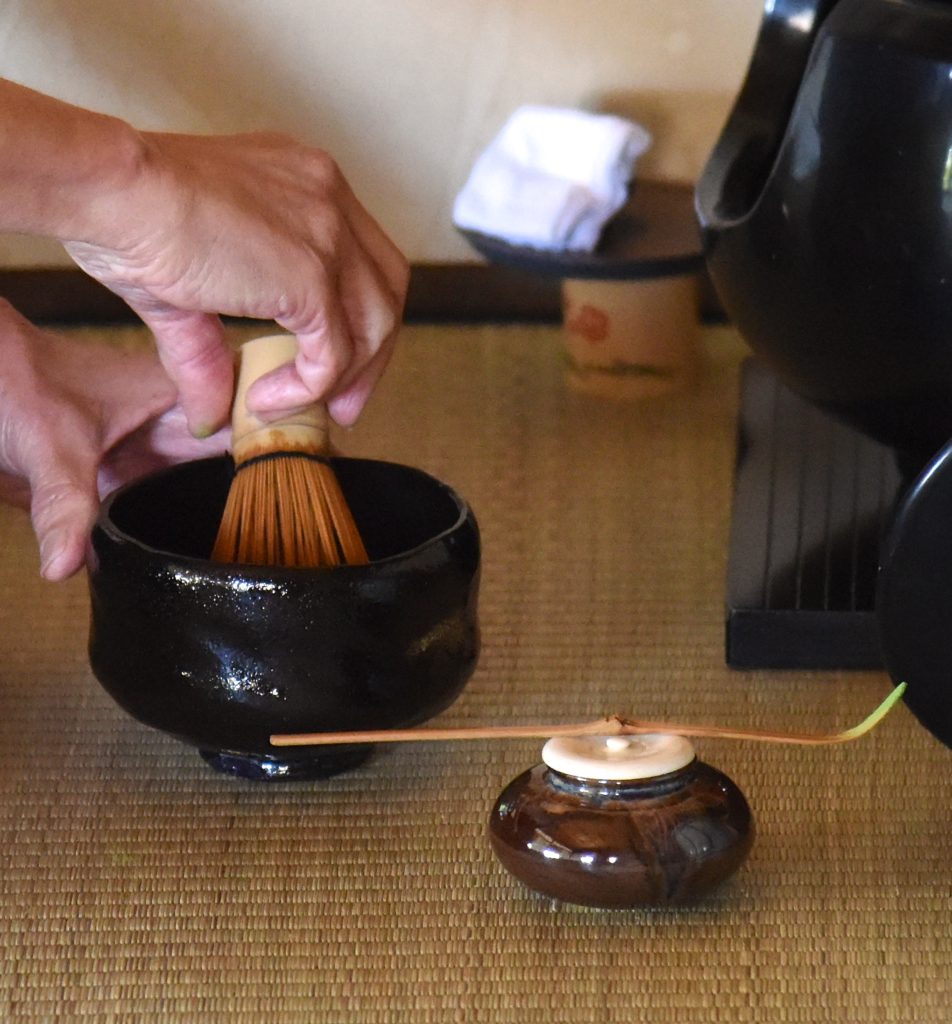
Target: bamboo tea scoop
(614,725)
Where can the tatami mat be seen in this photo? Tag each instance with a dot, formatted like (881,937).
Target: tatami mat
(137,885)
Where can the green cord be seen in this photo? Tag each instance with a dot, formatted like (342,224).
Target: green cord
(871,721)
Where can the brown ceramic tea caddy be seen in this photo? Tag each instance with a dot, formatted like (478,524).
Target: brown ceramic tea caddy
(620,813)
(223,655)
(621,821)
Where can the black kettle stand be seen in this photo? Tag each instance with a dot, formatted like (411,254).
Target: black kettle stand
(813,499)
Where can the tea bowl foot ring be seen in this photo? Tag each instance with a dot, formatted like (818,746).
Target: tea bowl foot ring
(265,768)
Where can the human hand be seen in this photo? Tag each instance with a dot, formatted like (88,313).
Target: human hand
(77,419)
(254,226)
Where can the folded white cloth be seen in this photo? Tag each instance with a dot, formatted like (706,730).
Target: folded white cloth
(552,178)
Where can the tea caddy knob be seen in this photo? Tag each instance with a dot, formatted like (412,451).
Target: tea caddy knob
(621,821)
(618,758)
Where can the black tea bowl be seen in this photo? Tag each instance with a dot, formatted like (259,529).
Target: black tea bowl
(223,656)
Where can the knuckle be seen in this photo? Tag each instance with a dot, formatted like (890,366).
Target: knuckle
(326,172)
(332,363)
(61,490)
(335,231)
(388,320)
(329,233)
(199,359)
(325,165)
(325,367)
(189,345)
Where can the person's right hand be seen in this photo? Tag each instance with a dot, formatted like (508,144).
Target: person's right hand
(253,226)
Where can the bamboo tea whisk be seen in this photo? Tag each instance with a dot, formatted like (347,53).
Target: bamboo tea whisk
(285,506)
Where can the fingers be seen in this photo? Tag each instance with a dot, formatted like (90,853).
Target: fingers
(339,344)
(68,474)
(263,227)
(63,508)
(388,259)
(126,387)
(325,349)
(353,310)
(372,317)
(160,442)
(193,351)
(347,404)
(384,276)
(69,407)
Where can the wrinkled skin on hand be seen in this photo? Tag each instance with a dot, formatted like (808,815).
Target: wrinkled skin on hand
(253,226)
(77,419)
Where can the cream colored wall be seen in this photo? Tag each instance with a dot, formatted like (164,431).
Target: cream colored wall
(404,93)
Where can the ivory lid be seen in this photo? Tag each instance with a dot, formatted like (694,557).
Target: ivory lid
(618,758)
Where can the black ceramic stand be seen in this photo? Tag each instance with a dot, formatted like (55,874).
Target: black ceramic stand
(812,501)
(654,235)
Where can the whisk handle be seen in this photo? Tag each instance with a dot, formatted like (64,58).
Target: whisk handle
(304,430)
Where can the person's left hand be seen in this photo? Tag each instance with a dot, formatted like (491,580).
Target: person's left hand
(77,419)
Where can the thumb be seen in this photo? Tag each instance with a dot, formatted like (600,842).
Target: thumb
(63,507)
(195,356)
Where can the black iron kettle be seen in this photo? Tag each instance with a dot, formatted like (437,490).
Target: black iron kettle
(826,211)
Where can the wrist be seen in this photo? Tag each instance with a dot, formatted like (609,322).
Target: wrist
(62,167)
(92,207)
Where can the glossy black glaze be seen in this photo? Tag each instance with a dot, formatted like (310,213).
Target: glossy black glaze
(826,211)
(222,656)
(914,598)
(667,841)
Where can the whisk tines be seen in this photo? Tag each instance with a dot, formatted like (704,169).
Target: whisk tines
(285,506)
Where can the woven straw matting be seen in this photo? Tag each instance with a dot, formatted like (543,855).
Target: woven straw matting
(138,885)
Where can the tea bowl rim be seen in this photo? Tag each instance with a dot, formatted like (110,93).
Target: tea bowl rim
(105,525)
